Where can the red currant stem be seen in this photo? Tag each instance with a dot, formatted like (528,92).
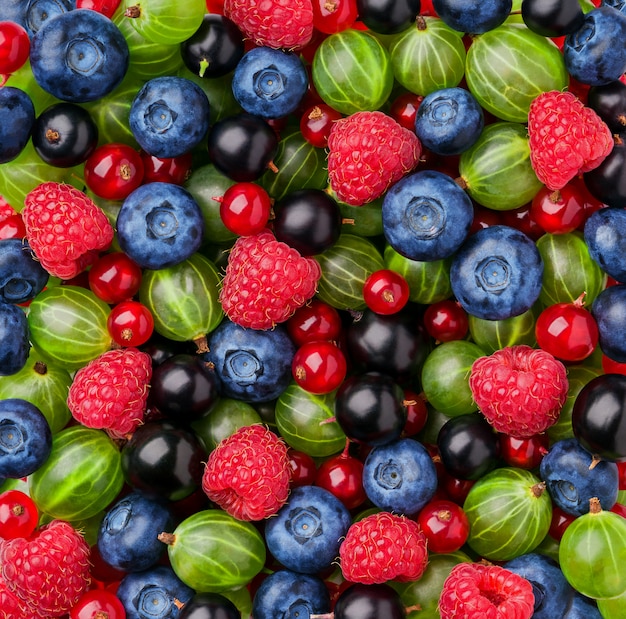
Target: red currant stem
(580,301)
(538,489)
(316,112)
(348,221)
(406,403)
(595,460)
(4,78)
(40,367)
(17,510)
(388,296)
(420,22)
(444,515)
(346,449)
(594,505)
(167,538)
(204,65)
(133,12)
(218,198)
(621,119)
(329,420)
(101,614)
(413,608)
(555,196)
(272,166)
(201,343)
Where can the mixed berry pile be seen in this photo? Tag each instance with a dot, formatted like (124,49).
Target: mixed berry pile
(312,308)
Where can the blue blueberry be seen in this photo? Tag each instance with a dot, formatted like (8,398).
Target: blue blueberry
(449,121)
(497,273)
(169,116)
(155,593)
(426,216)
(25,438)
(13,10)
(37,12)
(159,225)
(582,608)
(253,365)
(551,590)
(473,16)
(14,339)
(609,311)
(288,595)
(572,477)
(589,55)
(269,83)
(619,5)
(21,276)
(127,538)
(305,534)
(400,476)
(18,117)
(79,56)
(605,236)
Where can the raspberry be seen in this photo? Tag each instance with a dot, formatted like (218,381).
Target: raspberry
(477,591)
(248,473)
(368,152)
(12,607)
(281,24)
(566,138)
(110,392)
(383,547)
(65,228)
(266,281)
(520,390)
(48,571)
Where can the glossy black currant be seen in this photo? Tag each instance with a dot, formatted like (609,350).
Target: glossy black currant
(209,606)
(376,601)
(552,18)
(388,16)
(609,102)
(607,182)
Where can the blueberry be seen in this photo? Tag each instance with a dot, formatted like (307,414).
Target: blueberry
(253,365)
(14,339)
(609,311)
(400,476)
(572,477)
(473,16)
(497,273)
(169,116)
(582,608)
(153,594)
(18,117)
(37,12)
(551,590)
(588,53)
(127,538)
(159,225)
(426,216)
(14,10)
(269,83)
(289,595)
(79,56)
(25,438)
(605,235)
(305,534)
(21,276)
(449,121)
(619,5)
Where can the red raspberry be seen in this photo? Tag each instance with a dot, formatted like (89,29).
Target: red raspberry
(48,571)
(383,547)
(65,228)
(520,390)
(12,607)
(266,281)
(248,473)
(368,152)
(566,138)
(281,24)
(477,591)
(110,392)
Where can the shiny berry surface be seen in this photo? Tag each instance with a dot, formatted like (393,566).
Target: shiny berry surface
(14,47)
(445,321)
(316,320)
(316,123)
(106,7)
(113,171)
(342,475)
(524,453)
(330,16)
(416,412)
(445,525)
(245,208)
(404,109)
(319,367)
(115,277)
(12,227)
(98,604)
(130,323)
(303,468)
(386,292)
(18,515)
(561,211)
(174,170)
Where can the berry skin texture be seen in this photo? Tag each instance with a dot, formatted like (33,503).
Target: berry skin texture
(368,152)
(476,591)
(65,228)
(49,571)
(266,281)
(281,24)
(382,547)
(248,473)
(111,391)
(520,390)
(566,138)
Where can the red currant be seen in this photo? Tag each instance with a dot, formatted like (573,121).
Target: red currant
(484,217)
(319,367)
(245,208)
(314,321)
(404,109)
(316,123)
(521,219)
(14,47)
(130,323)
(386,292)
(96,604)
(215,6)
(524,453)
(446,321)
(560,521)
(18,515)
(561,211)
(303,469)
(457,489)
(342,475)
(330,16)
(567,331)
(445,525)
(619,509)
(416,412)
(610,366)
(621,470)
(113,171)
(115,277)
(12,227)
(175,170)
(106,7)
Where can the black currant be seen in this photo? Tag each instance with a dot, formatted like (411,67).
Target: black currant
(209,606)
(388,16)
(64,135)
(308,220)
(376,601)
(607,182)
(552,18)
(609,102)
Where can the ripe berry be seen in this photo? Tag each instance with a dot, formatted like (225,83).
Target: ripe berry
(303,468)
(404,109)
(386,292)
(316,123)
(445,525)
(245,208)
(18,515)
(334,15)
(319,367)
(12,227)
(115,277)
(106,7)
(14,47)
(113,171)
(314,321)
(560,211)
(446,321)
(524,453)
(130,323)
(96,604)
(416,412)
(174,170)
